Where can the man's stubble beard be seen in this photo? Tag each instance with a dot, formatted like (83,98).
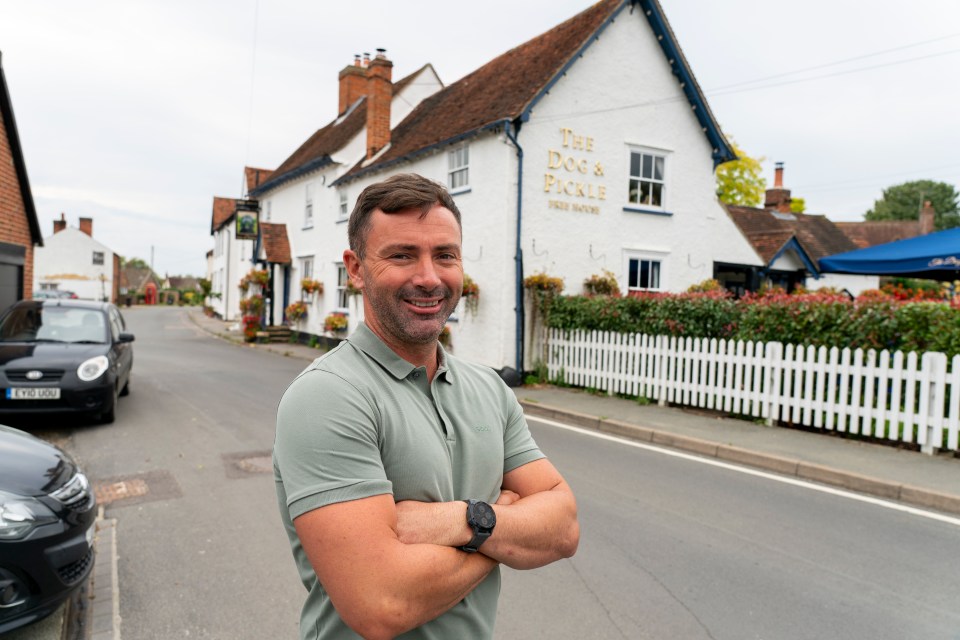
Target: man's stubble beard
(406,327)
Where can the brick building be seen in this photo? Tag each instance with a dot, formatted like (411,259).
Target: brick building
(19,228)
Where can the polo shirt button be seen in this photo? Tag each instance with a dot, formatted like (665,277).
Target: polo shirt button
(416,374)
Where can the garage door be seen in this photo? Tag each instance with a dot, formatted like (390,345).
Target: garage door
(11,273)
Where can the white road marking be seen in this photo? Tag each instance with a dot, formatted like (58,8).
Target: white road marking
(896,506)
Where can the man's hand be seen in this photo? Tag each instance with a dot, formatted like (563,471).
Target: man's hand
(442,523)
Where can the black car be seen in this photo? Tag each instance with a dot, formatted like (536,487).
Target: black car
(64,355)
(47,512)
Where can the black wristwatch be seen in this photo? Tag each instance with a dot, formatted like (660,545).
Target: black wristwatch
(482,519)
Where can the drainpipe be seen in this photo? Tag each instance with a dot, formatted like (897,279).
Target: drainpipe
(518,256)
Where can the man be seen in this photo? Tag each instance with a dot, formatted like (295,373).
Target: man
(381,442)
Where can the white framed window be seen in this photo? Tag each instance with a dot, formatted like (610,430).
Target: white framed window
(308,207)
(344,208)
(458,168)
(98,257)
(644,272)
(647,182)
(306,267)
(342,277)
(267,212)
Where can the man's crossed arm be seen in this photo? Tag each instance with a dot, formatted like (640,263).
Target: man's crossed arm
(389,568)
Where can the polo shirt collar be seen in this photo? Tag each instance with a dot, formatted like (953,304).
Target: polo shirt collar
(371,344)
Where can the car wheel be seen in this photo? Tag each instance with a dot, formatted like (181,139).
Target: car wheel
(126,388)
(108,416)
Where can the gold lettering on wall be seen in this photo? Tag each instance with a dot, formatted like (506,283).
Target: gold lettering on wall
(572,174)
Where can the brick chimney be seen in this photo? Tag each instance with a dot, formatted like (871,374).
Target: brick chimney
(61,224)
(353,83)
(778,198)
(379,96)
(86,225)
(927,216)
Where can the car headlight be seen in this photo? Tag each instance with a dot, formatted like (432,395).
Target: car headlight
(19,515)
(93,368)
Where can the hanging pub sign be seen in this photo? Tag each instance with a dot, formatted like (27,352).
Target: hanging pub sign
(248,219)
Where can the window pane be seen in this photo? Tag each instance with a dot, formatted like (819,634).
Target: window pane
(632,279)
(645,274)
(644,193)
(466,156)
(634,164)
(634,190)
(654,274)
(647,166)
(656,194)
(658,168)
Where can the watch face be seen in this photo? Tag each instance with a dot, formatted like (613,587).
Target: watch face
(483,515)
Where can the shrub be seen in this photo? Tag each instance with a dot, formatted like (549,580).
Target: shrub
(874,321)
(471,294)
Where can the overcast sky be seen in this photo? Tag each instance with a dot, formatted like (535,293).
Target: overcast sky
(137,113)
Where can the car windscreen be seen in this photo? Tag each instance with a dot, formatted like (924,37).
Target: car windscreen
(53,324)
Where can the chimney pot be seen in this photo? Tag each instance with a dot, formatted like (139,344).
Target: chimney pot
(61,224)
(778,176)
(366,59)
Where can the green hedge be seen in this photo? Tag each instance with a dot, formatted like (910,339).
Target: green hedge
(809,319)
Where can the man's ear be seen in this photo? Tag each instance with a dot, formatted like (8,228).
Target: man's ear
(352,263)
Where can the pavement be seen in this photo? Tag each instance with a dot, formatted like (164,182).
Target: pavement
(895,473)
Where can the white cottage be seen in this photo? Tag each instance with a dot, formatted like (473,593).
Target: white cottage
(234,245)
(588,148)
(72,260)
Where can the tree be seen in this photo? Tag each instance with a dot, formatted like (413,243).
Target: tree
(798,205)
(739,181)
(135,262)
(904,202)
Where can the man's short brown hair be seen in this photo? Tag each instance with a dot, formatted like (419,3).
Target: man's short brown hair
(397,193)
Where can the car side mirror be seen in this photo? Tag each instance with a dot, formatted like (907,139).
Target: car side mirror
(126,337)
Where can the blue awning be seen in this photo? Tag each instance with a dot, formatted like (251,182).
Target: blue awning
(935,256)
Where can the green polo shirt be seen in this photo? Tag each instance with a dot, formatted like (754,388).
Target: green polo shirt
(361,421)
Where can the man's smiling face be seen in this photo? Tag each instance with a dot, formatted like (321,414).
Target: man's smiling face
(411,274)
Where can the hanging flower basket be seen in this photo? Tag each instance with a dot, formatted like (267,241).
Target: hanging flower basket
(471,295)
(444,337)
(603,284)
(335,323)
(295,312)
(252,306)
(310,286)
(260,277)
(352,289)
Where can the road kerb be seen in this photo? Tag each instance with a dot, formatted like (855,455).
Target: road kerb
(930,499)
(766,461)
(805,470)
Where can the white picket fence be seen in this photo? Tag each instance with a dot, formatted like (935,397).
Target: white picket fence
(895,396)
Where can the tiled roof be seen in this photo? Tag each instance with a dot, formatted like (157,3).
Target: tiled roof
(136,278)
(768,232)
(499,90)
(868,234)
(223,210)
(255,177)
(316,151)
(276,245)
(507,87)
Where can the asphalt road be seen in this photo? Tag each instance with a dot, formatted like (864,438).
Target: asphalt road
(671,548)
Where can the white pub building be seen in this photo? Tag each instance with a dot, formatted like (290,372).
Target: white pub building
(589,148)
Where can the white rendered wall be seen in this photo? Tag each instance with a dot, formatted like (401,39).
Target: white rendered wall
(843,282)
(66,259)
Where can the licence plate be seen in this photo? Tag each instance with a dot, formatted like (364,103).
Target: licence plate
(33,393)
